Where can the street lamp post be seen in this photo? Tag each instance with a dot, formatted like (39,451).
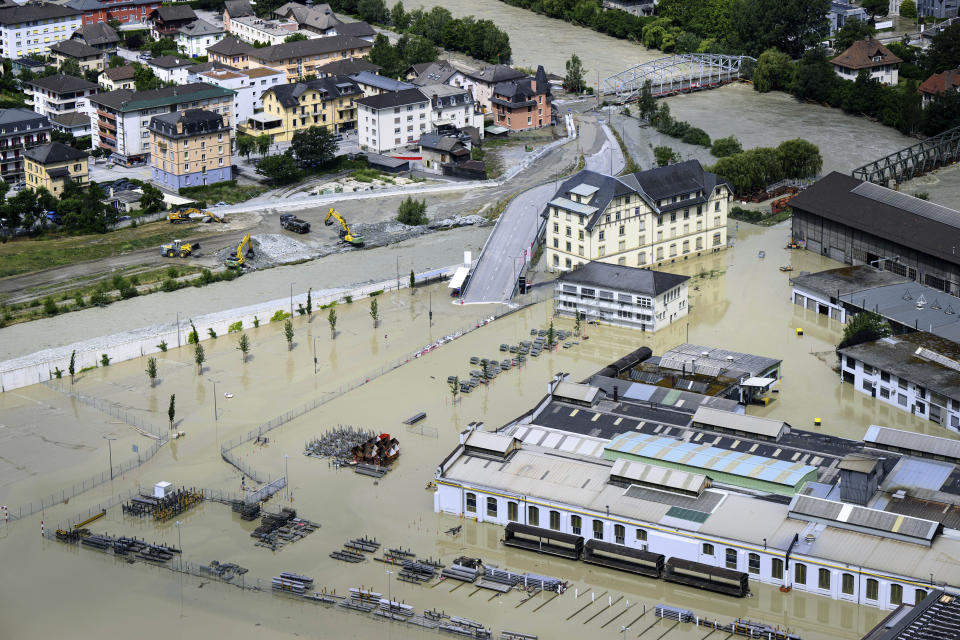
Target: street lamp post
(180,544)
(110,449)
(291,299)
(623,631)
(216,414)
(178,329)
(389,594)
(286,472)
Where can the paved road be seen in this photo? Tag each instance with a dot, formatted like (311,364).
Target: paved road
(495,276)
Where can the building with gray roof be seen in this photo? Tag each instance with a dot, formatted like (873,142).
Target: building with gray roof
(373,84)
(98,35)
(20,129)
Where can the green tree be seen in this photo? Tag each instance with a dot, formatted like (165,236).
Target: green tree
(384,55)
(152,370)
(412,212)
(944,51)
(646,103)
(455,388)
(310,301)
(908,9)
(263,143)
(723,147)
(800,158)
(104,360)
(775,71)
(573,81)
(72,369)
(551,335)
(312,147)
(144,78)
(280,169)
(243,345)
(416,50)
(373,11)
(374,311)
(199,356)
(246,144)
(664,156)
(172,409)
(399,18)
(295,37)
(4,189)
(152,199)
(852,31)
(332,321)
(864,327)
(50,307)
(193,337)
(70,67)
(815,76)
(288,333)
(413,281)
(578,318)
(792,26)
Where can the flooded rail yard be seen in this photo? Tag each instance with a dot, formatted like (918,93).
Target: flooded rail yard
(396,509)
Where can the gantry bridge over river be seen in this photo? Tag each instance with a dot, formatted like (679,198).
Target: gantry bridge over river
(676,74)
(913,161)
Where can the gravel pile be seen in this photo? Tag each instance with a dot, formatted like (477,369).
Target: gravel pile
(457,221)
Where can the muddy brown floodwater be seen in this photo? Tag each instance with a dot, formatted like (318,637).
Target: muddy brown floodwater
(738,301)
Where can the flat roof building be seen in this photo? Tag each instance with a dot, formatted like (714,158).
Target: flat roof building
(914,444)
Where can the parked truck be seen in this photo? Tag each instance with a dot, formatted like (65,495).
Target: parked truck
(291,222)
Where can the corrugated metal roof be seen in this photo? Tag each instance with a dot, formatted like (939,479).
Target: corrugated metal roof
(575,391)
(851,516)
(739,422)
(913,441)
(659,476)
(900,200)
(570,205)
(489,441)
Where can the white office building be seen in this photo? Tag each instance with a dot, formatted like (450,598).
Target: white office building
(392,120)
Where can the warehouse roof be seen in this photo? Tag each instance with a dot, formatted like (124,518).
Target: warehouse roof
(850,516)
(846,280)
(623,278)
(910,442)
(750,425)
(913,305)
(659,477)
(919,357)
(575,392)
(712,361)
(903,219)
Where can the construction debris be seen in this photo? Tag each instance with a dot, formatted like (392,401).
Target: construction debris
(276,530)
(338,444)
(163,509)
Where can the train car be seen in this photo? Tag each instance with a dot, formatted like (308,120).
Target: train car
(705,576)
(555,543)
(623,558)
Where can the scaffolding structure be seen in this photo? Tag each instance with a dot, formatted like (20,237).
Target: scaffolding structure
(673,74)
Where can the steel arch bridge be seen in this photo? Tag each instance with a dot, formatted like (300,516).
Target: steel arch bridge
(934,152)
(674,74)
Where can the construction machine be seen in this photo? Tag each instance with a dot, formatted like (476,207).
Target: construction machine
(244,250)
(291,222)
(345,234)
(179,248)
(210,216)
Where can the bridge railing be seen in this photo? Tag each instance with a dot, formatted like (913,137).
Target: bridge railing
(676,73)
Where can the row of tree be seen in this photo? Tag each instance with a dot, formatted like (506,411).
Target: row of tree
(310,150)
(757,168)
(394,60)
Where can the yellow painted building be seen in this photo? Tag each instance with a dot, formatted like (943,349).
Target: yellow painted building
(189,149)
(305,57)
(288,108)
(644,219)
(53,165)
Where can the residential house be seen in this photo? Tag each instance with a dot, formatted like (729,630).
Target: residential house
(122,116)
(248,85)
(867,54)
(231,51)
(126,11)
(194,38)
(30,29)
(52,166)
(190,148)
(437,151)
(235,9)
(939,83)
(439,72)
(318,18)
(75,123)
(89,58)
(641,219)
(620,295)
(360,30)
(20,129)
(392,120)
(117,78)
(167,21)
(451,106)
(288,108)
(523,104)
(841,13)
(58,94)
(633,7)
(303,58)
(347,67)
(373,84)
(253,30)
(171,68)
(98,35)
(481,83)
(914,372)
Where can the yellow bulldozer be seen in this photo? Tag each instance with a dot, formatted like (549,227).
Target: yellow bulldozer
(244,250)
(345,234)
(178,248)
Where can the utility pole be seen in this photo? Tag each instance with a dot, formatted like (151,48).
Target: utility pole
(178,329)
(180,544)
(286,472)
(110,449)
(291,299)
(389,596)
(431,308)
(216,414)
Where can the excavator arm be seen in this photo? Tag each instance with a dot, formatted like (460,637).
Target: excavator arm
(244,248)
(345,233)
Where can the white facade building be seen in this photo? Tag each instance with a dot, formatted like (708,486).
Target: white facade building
(253,29)
(31,29)
(392,120)
(624,296)
(171,68)
(453,106)
(60,94)
(248,85)
(194,38)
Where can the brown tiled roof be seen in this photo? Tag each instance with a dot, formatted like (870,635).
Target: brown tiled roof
(941,82)
(861,53)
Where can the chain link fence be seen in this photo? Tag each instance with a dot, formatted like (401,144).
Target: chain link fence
(112,409)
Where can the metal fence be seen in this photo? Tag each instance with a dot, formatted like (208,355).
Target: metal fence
(112,409)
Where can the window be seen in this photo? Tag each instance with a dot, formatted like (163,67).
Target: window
(641,535)
(823,579)
(580,232)
(569,231)
(846,584)
(918,595)
(471,503)
(800,573)
(602,235)
(555,520)
(533,516)
(598,529)
(556,228)
(873,589)
(731,558)
(896,594)
(512,509)
(716,206)
(716,239)
(492,507)
(556,243)
(753,563)
(776,569)
(575,524)
(619,534)
(623,230)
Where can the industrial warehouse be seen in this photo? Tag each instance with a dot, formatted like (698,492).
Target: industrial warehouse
(691,492)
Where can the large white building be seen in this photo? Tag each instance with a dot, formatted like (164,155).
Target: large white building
(30,29)
(624,296)
(194,38)
(60,94)
(248,86)
(253,29)
(453,106)
(391,120)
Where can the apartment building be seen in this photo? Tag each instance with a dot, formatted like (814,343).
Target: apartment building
(168,20)
(304,58)
(59,94)
(248,85)
(253,29)
(54,165)
(523,104)
(126,11)
(452,106)
(89,58)
(624,296)
(233,9)
(190,148)
(392,120)
(232,52)
(194,38)
(319,18)
(20,129)
(122,117)
(98,35)
(642,219)
(288,108)
(117,78)
(30,29)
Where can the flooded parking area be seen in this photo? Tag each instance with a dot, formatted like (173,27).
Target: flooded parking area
(738,301)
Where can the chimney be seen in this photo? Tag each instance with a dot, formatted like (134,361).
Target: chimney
(616,393)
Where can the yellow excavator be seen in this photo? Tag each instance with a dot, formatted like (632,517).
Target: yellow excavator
(244,250)
(345,234)
(179,248)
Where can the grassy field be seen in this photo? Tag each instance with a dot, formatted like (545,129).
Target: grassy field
(229,192)
(26,255)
